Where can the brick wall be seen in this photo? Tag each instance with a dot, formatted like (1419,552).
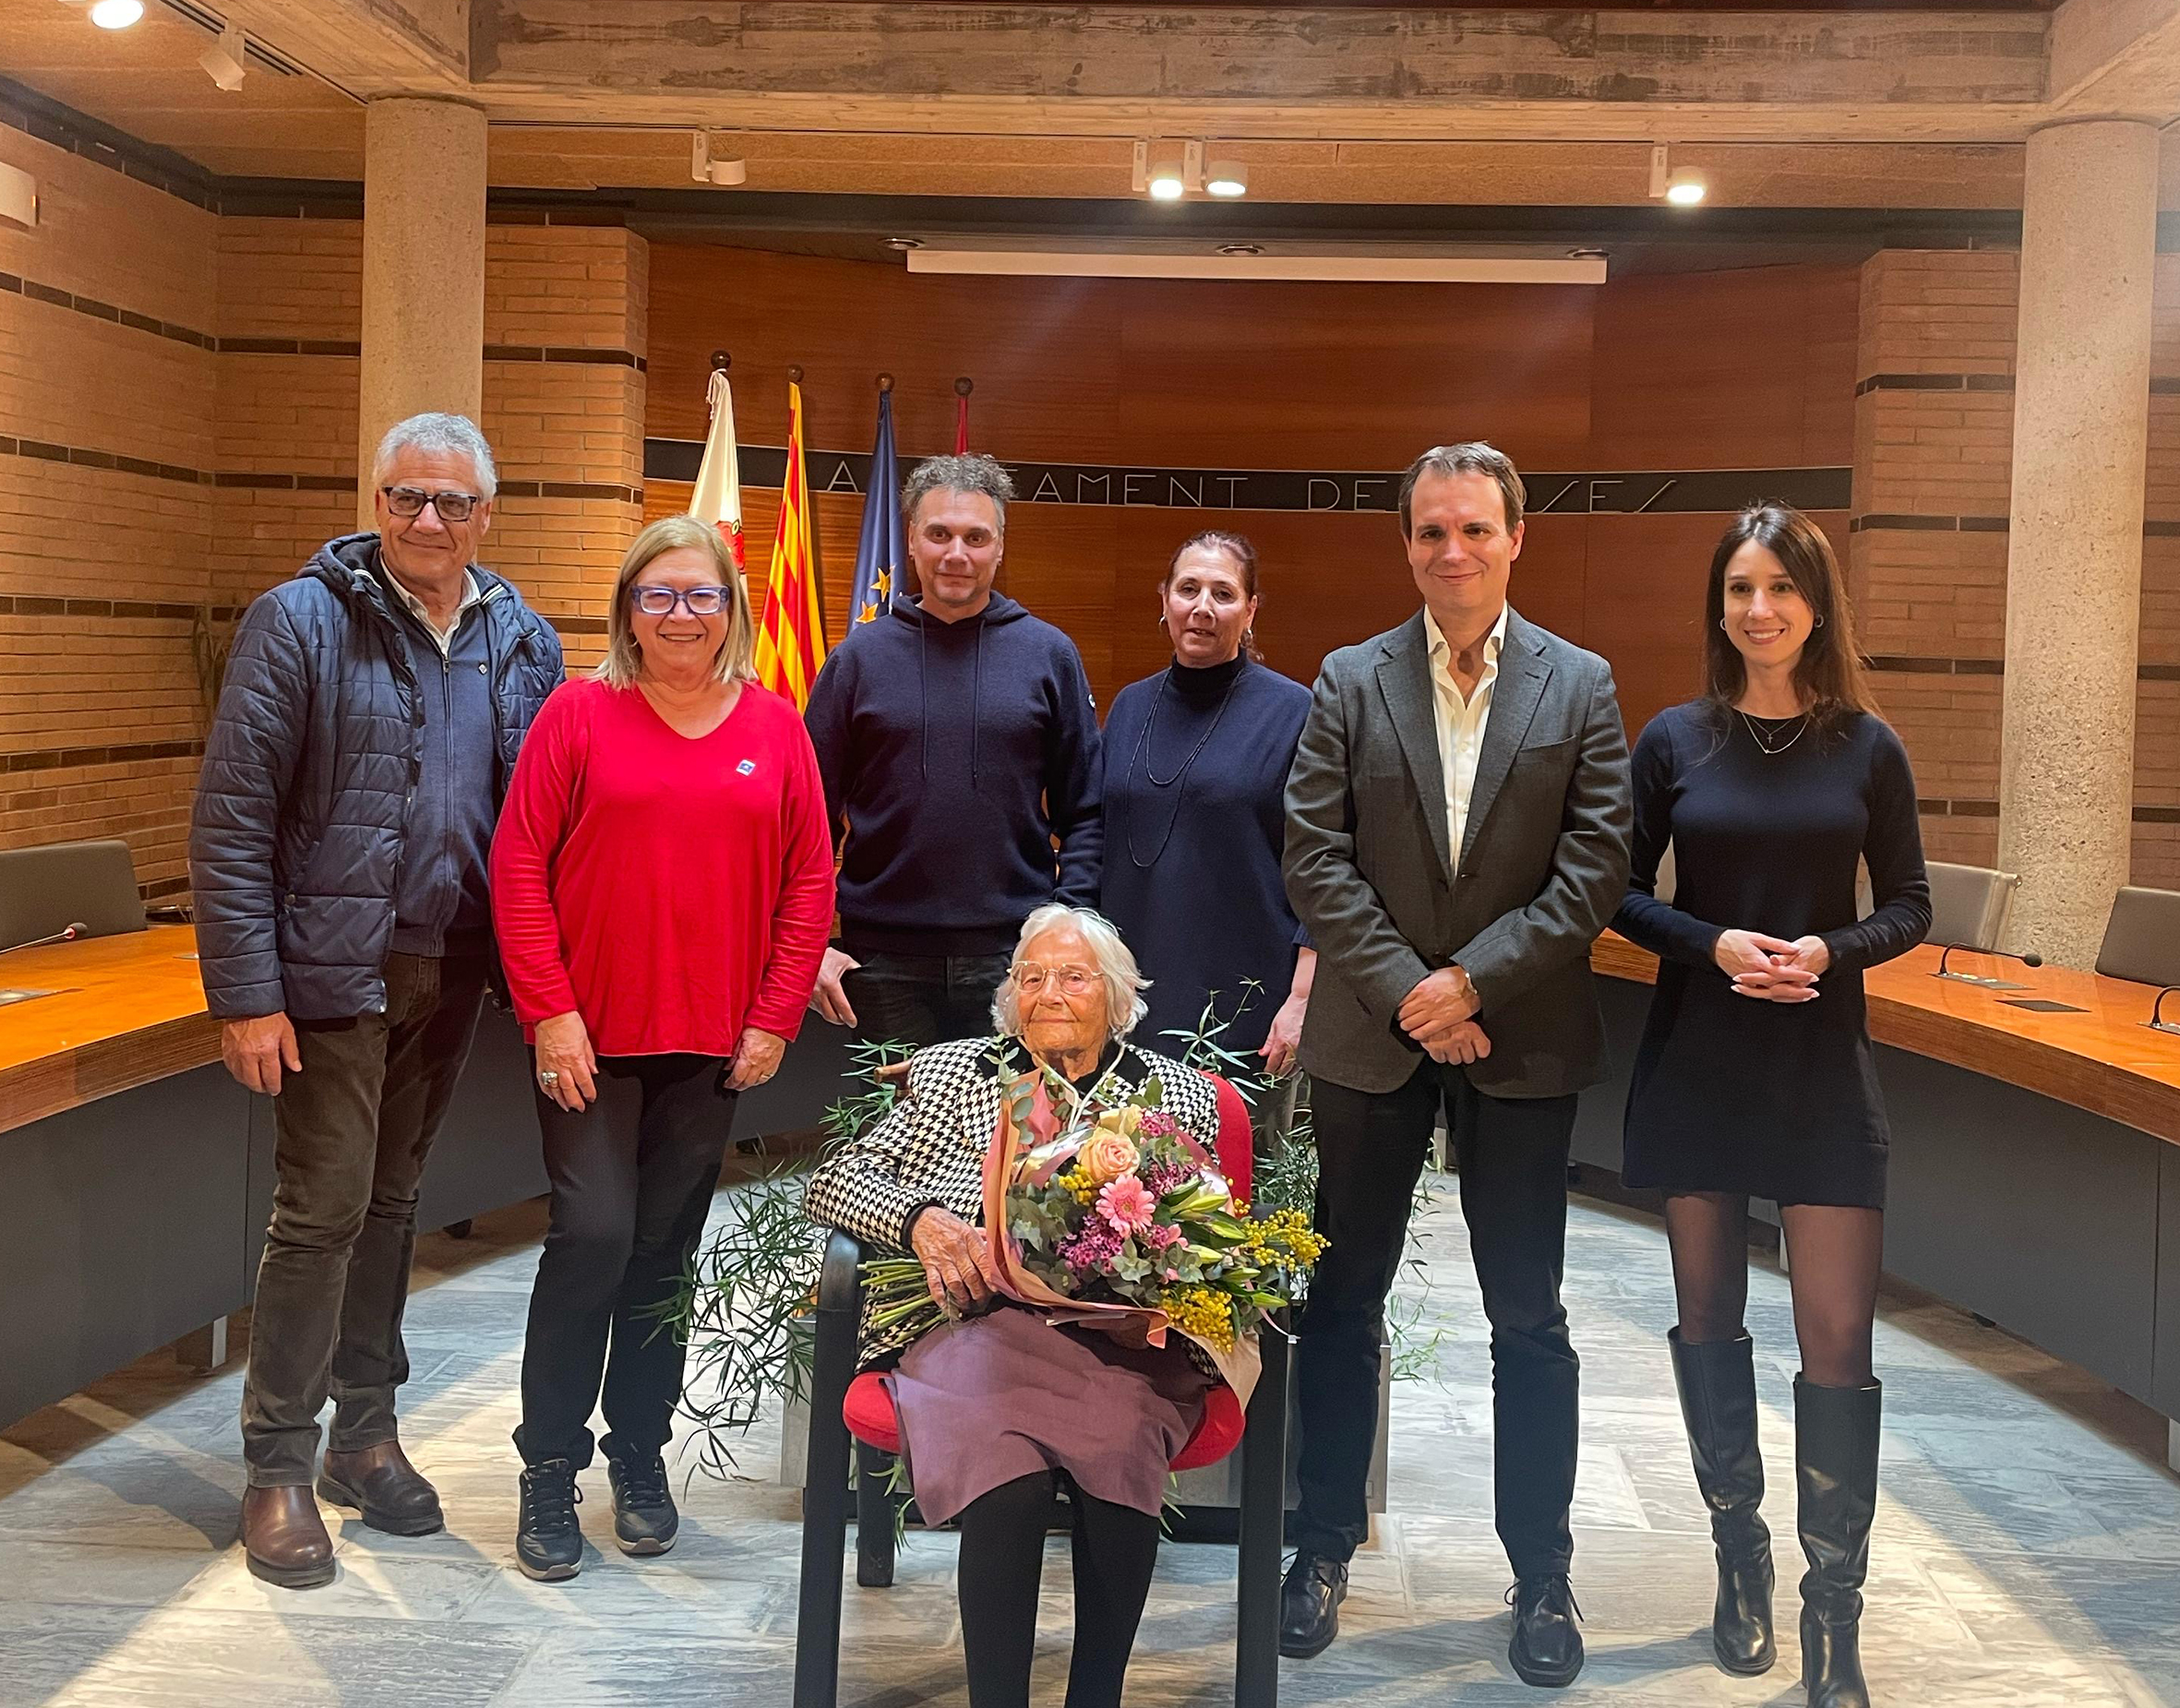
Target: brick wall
(1933,443)
(107,389)
(1933,427)
(178,433)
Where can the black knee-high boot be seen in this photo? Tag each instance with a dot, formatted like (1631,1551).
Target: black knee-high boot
(1836,1479)
(1718,1384)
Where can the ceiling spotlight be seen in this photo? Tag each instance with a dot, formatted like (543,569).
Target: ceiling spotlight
(1166,182)
(116,14)
(222,61)
(1240,249)
(708,168)
(1228,178)
(903,243)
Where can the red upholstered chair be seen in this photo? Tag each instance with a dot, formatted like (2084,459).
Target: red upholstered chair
(844,1406)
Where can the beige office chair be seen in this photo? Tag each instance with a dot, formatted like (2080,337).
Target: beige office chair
(1969,903)
(2142,936)
(47,890)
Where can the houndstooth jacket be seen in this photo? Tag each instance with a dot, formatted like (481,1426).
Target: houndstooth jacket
(929,1149)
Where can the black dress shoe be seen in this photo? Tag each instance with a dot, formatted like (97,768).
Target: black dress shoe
(390,1492)
(645,1521)
(1310,1605)
(548,1540)
(1546,1646)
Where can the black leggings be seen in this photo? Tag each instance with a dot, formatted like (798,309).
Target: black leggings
(1002,1554)
(1834,1253)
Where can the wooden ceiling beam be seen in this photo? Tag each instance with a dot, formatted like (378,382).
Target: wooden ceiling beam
(1348,74)
(367,47)
(2116,59)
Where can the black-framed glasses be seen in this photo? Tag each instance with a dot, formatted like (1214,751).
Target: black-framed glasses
(452,506)
(660,600)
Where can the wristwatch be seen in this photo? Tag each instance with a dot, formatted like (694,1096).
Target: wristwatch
(1466,984)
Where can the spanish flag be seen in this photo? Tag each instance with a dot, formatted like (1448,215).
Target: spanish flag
(718,495)
(791,634)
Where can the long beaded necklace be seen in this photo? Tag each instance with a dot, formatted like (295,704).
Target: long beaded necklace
(1757,735)
(1143,753)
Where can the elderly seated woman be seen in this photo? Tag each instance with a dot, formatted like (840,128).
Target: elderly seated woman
(999,1409)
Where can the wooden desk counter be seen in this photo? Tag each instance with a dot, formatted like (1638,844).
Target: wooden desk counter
(128,1009)
(2104,1059)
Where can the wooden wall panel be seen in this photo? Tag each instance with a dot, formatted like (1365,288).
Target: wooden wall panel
(1751,369)
(1730,370)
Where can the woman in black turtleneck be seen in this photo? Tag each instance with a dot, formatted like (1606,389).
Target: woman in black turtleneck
(1195,773)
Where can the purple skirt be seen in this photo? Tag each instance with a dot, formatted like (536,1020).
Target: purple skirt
(1005,1395)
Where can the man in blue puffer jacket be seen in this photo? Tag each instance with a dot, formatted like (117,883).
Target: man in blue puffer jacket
(370,718)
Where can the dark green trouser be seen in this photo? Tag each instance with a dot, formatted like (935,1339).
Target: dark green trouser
(355,1127)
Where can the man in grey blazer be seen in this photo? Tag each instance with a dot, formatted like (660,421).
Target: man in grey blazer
(1457,827)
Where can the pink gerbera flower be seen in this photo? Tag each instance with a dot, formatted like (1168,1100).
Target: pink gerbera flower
(1127,1204)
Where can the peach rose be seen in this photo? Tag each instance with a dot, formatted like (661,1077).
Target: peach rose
(1106,1156)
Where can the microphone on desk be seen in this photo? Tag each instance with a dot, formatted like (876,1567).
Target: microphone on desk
(2030,958)
(67,934)
(2157,1020)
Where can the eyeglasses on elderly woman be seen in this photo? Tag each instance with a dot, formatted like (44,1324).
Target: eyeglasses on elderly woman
(1030,978)
(653,601)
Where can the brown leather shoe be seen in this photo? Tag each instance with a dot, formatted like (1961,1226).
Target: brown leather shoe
(284,1539)
(392,1493)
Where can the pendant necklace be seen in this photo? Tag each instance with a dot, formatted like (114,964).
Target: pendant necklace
(1179,778)
(1757,735)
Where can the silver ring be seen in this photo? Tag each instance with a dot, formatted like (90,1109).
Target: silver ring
(548,1078)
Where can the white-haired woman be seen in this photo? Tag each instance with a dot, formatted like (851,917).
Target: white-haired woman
(1000,1410)
(662,882)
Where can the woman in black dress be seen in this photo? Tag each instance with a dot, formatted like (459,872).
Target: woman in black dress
(1195,776)
(1756,1076)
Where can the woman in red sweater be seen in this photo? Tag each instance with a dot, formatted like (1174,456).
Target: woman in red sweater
(662,886)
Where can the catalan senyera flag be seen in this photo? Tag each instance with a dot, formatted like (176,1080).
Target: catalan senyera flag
(791,634)
(883,548)
(718,495)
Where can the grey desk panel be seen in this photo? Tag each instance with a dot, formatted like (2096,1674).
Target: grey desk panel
(2165,1361)
(813,1075)
(1599,1114)
(122,1228)
(2036,1214)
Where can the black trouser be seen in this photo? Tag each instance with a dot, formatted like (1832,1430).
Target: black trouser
(1512,1158)
(1001,1559)
(633,1179)
(353,1131)
(923,999)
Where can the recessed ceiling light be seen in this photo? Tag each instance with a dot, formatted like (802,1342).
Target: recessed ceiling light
(1241,248)
(905,242)
(116,14)
(1227,178)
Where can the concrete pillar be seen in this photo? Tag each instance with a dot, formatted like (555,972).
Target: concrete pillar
(2073,559)
(423,268)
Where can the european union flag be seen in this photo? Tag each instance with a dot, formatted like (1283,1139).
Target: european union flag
(882,552)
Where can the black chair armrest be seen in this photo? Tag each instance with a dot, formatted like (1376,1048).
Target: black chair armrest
(840,1284)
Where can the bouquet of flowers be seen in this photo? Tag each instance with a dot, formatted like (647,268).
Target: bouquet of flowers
(1119,1218)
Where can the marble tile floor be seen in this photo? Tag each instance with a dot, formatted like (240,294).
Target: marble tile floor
(2027,1552)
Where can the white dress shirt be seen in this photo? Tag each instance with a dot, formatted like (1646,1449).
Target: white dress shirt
(1461,721)
(471,594)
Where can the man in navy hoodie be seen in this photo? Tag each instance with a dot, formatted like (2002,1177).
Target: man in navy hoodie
(958,741)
